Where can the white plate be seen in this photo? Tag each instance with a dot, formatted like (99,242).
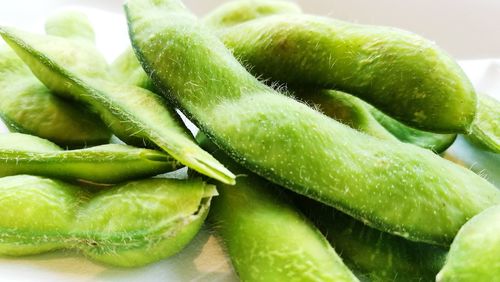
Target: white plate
(203,259)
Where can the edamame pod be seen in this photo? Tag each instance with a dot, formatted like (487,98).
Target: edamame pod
(112,163)
(475,253)
(485,130)
(295,146)
(345,108)
(402,74)
(335,103)
(373,255)
(341,106)
(235,12)
(132,224)
(126,69)
(134,114)
(27,106)
(72,25)
(266,238)
(365,118)
(435,142)
(31,207)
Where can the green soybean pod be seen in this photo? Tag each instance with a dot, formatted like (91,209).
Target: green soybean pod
(266,238)
(27,106)
(365,118)
(387,67)
(235,12)
(435,142)
(142,221)
(35,214)
(112,163)
(126,69)
(485,130)
(346,109)
(72,25)
(336,104)
(134,114)
(131,224)
(475,252)
(295,146)
(373,255)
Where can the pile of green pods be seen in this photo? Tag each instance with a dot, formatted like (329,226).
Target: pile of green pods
(319,147)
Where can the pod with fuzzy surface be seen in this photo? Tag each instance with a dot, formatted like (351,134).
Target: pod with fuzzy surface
(132,224)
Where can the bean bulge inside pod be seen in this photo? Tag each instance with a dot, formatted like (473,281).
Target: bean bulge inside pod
(131,224)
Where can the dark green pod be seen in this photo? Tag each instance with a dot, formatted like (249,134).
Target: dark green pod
(266,238)
(374,255)
(132,224)
(475,252)
(387,67)
(295,146)
(134,114)
(112,163)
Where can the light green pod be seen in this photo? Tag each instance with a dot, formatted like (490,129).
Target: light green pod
(143,221)
(365,118)
(235,12)
(112,163)
(336,104)
(395,187)
(266,238)
(72,25)
(132,224)
(387,67)
(436,142)
(31,207)
(340,106)
(126,69)
(485,130)
(27,106)
(475,253)
(373,255)
(346,109)
(134,114)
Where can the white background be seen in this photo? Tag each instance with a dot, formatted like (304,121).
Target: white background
(468,29)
